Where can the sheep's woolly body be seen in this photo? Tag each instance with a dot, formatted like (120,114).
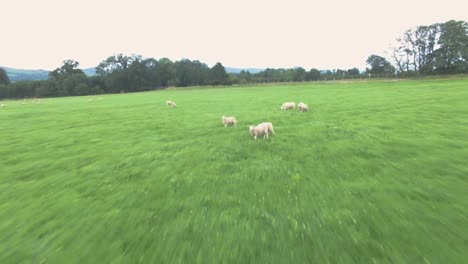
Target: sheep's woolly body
(262,129)
(229,120)
(170,103)
(288,105)
(303,107)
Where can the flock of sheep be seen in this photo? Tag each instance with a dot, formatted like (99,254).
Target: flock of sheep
(262,129)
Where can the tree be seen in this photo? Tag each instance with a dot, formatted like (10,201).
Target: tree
(379,65)
(299,74)
(4,93)
(117,73)
(437,48)
(68,68)
(82,89)
(245,77)
(116,62)
(314,75)
(218,74)
(166,72)
(353,72)
(452,56)
(4,77)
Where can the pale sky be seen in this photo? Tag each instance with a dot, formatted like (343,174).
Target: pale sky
(242,33)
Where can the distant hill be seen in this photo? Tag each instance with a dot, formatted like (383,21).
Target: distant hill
(90,71)
(22,75)
(34,75)
(238,70)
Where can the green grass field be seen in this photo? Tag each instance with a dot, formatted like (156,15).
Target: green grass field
(376,172)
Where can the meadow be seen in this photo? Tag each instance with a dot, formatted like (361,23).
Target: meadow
(375,172)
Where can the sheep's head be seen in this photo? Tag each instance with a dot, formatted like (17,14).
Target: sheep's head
(251,129)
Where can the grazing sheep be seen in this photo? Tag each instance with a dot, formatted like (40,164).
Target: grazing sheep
(288,105)
(264,129)
(302,107)
(2,105)
(229,120)
(170,103)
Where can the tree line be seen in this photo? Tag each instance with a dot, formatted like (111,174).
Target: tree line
(440,48)
(117,74)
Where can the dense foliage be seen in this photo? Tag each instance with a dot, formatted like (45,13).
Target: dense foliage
(4,77)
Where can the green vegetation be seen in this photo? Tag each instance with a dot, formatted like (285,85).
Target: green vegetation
(375,172)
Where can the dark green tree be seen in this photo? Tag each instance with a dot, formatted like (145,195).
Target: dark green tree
(166,72)
(379,65)
(452,56)
(299,74)
(68,68)
(314,75)
(218,74)
(4,77)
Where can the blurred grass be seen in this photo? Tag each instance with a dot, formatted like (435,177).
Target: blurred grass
(375,172)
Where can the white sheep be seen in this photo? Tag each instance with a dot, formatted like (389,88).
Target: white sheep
(229,120)
(288,105)
(170,103)
(90,100)
(264,129)
(302,107)
(2,105)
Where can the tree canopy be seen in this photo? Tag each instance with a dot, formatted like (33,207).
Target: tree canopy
(379,65)
(4,77)
(440,48)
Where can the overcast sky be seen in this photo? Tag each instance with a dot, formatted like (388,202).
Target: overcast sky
(242,33)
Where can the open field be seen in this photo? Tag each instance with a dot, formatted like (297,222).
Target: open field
(375,172)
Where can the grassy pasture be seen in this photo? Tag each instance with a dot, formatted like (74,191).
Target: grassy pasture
(375,172)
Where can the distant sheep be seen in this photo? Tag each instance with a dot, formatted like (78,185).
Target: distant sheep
(262,129)
(288,105)
(229,121)
(2,105)
(90,100)
(302,107)
(170,103)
